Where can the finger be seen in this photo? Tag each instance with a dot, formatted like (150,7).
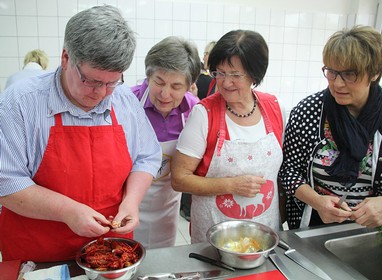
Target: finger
(359,205)
(357,214)
(345,207)
(344,213)
(103,221)
(262,181)
(126,227)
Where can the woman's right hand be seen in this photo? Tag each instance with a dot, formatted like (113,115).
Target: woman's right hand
(327,208)
(85,221)
(325,205)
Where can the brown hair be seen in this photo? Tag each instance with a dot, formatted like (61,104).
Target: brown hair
(358,49)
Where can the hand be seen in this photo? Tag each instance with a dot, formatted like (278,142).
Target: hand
(326,206)
(127,219)
(86,222)
(369,212)
(247,185)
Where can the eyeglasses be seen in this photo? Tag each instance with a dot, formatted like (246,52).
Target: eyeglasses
(348,76)
(95,84)
(220,75)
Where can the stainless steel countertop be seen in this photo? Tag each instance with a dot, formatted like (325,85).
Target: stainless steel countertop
(309,242)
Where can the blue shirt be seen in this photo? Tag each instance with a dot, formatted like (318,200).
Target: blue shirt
(27,112)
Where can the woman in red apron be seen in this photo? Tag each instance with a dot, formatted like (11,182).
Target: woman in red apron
(229,152)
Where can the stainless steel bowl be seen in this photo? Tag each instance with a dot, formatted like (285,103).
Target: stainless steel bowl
(222,233)
(119,274)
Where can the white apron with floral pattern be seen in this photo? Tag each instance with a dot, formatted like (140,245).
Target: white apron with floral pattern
(159,209)
(260,158)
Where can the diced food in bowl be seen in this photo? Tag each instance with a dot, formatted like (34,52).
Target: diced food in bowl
(241,243)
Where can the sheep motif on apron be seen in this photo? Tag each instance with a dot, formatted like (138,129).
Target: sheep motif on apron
(260,158)
(159,209)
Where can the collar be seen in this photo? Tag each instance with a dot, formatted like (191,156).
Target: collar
(59,103)
(32,66)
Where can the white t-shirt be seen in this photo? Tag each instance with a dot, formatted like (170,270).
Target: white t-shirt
(193,138)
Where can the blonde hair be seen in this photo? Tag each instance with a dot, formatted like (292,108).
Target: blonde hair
(209,47)
(358,49)
(37,56)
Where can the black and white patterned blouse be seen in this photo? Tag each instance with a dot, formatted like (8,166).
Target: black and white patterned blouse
(309,148)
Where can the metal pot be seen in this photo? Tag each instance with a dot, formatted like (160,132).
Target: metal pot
(223,233)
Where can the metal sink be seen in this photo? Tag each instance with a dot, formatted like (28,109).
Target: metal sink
(363,252)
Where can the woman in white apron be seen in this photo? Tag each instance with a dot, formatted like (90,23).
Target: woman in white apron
(172,66)
(229,152)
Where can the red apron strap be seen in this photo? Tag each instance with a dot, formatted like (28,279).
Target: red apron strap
(222,131)
(113,117)
(211,87)
(58,120)
(267,123)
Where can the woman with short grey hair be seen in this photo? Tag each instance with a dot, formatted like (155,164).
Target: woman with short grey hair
(172,66)
(77,151)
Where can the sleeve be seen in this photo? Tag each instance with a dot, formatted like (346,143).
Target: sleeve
(144,148)
(14,172)
(193,138)
(295,152)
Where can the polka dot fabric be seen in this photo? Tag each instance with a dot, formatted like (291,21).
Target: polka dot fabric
(304,135)
(301,136)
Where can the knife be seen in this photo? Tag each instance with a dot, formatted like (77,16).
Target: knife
(342,200)
(303,261)
(280,265)
(212,274)
(210,261)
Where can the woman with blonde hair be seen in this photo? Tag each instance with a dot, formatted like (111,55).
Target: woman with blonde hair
(333,138)
(35,64)
(37,56)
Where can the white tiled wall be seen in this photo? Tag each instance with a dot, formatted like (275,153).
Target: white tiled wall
(295,31)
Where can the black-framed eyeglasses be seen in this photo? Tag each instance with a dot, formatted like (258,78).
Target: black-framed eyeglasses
(348,76)
(220,75)
(95,84)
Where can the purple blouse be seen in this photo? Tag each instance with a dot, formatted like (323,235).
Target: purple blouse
(170,127)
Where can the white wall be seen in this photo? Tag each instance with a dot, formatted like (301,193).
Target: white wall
(295,31)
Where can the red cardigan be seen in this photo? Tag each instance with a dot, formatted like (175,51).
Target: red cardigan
(215,106)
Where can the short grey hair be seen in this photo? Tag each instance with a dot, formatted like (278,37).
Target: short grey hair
(101,37)
(174,54)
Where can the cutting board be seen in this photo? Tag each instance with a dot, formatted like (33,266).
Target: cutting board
(9,270)
(269,275)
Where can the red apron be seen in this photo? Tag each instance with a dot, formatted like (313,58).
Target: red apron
(87,164)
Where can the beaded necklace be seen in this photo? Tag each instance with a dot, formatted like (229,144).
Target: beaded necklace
(240,115)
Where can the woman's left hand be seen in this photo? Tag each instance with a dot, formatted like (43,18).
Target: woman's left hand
(127,221)
(369,212)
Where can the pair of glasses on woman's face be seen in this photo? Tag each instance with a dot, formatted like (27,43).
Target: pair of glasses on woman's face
(96,84)
(348,76)
(221,75)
